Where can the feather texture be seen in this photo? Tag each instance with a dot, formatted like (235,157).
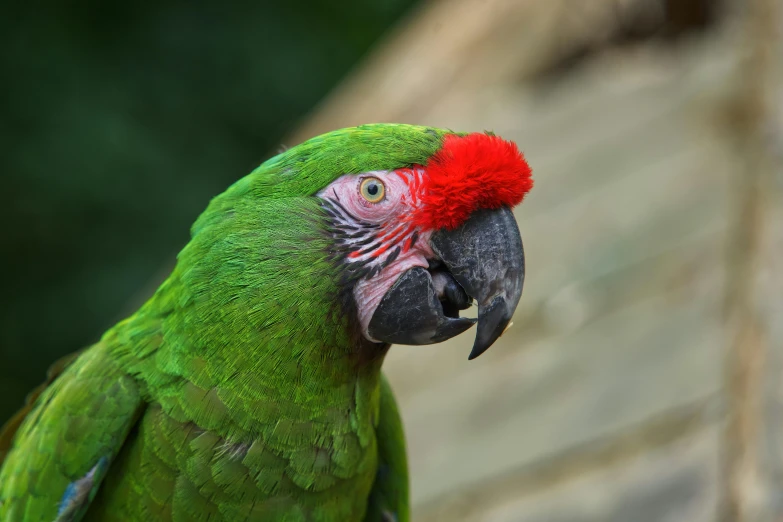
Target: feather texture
(242,390)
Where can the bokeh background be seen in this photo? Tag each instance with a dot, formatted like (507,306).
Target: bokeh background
(641,378)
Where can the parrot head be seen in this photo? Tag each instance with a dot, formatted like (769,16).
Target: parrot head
(419,243)
(417,225)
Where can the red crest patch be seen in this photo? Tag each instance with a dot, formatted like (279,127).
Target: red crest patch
(468,173)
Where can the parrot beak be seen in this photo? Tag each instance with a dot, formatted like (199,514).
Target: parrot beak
(483,260)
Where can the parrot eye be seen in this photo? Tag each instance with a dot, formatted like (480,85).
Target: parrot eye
(372,189)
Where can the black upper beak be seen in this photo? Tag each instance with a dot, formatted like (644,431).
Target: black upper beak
(484,260)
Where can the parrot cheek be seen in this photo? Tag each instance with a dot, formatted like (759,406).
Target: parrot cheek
(369,293)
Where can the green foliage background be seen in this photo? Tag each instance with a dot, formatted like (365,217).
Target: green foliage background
(118,123)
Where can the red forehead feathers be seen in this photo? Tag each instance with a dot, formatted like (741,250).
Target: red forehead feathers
(468,173)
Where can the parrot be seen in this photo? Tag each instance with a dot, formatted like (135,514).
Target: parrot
(249,386)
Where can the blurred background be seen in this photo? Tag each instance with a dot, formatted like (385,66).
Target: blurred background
(641,378)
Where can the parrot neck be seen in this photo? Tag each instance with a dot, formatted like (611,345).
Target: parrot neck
(302,374)
(271,331)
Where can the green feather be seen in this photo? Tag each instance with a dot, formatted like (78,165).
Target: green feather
(240,390)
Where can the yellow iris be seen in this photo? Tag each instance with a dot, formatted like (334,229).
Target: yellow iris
(372,189)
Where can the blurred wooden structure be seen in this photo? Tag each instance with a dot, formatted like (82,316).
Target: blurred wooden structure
(606,400)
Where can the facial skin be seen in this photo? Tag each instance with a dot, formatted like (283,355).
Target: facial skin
(373,223)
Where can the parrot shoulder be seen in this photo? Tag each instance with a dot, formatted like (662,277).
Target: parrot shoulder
(9,429)
(57,450)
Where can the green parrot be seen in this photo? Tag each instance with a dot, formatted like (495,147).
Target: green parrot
(249,386)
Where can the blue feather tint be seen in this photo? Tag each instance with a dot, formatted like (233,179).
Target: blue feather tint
(77,494)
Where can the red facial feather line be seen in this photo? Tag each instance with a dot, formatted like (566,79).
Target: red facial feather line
(370,236)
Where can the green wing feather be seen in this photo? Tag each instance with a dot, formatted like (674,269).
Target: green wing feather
(62,448)
(388,500)
(9,429)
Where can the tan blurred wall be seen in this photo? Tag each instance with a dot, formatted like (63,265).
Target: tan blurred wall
(605,400)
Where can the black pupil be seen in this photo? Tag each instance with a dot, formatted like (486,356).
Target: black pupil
(372,189)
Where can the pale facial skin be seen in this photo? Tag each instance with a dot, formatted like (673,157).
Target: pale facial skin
(378,206)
